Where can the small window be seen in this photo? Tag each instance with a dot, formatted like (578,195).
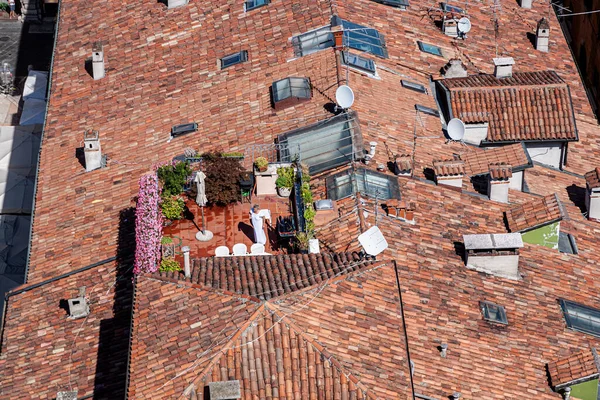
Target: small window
(448,8)
(363,38)
(429,48)
(581,318)
(366,182)
(493,312)
(312,41)
(427,110)
(233,59)
(289,91)
(252,4)
(358,62)
(402,4)
(413,86)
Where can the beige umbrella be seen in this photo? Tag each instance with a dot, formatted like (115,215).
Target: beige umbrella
(200,179)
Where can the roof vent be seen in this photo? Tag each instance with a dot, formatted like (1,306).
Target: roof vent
(454,69)
(176,3)
(542,35)
(98,70)
(225,390)
(182,129)
(526,3)
(66,396)
(503,67)
(78,307)
(496,254)
(92,151)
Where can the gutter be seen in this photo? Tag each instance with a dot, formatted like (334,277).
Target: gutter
(37,169)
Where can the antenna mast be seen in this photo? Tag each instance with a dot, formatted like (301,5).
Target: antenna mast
(497,7)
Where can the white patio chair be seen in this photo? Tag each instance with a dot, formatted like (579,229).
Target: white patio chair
(222,251)
(240,249)
(257,248)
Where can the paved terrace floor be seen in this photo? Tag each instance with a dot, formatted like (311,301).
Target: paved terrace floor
(230,225)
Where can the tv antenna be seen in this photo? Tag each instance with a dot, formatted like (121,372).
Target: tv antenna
(456,130)
(344,96)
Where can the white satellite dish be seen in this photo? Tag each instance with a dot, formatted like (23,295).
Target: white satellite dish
(464,25)
(456,129)
(344,96)
(373,241)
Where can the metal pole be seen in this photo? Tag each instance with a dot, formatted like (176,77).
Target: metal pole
(203,223)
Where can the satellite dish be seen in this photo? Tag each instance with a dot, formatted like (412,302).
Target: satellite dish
(464,25)
(373,241)
(344,96)
(456,129)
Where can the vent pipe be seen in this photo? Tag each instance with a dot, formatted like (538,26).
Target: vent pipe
(443,350)
(371,154)
(567,393)
(186,261)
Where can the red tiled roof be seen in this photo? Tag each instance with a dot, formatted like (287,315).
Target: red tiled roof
(500,171)
(533,214)
(404,162)
(266,277)
(530,106)
(478,162)
(579,367)
(448,167)
(592,178)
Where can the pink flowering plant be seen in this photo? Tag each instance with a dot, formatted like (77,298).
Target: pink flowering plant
(148,226)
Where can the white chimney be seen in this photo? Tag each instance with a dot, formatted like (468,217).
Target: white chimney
(92,150)
(78,307)
(186,261)
(542,36)
(503,67)
(450,27)
(526,3)
(371,154)
(592,195)
(449,172)
(499,182)
(496,254)
(454,69)
(176,3)
(98,61)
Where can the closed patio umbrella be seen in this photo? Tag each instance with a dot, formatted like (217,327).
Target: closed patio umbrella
(200,180)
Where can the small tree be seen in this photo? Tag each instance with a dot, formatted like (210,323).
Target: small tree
(222,178)
(148,226)
(173,177)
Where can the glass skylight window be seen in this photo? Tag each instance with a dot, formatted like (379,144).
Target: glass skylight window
(358,62)
(429,48)
(233,59)
(581,318)
(312,41)
(427,110)
(363,38)
(493,312)
(402,4)
(368,183)
(324,145)
(449,8)
(252,4)
(290,90)
(413,86)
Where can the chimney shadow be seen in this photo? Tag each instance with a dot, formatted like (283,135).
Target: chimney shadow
(577,196)
(459,249)
(88,67)
(480,184)
(80,155)
(332,108)
(64,304)
(531,37)
(164,2)
(429,174)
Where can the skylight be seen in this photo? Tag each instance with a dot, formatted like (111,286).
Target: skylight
(363,38)
(429,48)
(493,312)
(233,59)
(252,4)
(358,62)
(312,41)
(290,90)
(402,4)
(449,8)
(413,86)
(364,181)
(324,145)
(427,110)
(581,318)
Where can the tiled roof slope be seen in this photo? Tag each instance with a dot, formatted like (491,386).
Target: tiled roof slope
(593,178)
(449,167)
(266,277)
(577,367)
(534,214)
(477,162)
(43,351)
(529,106)
(500,171)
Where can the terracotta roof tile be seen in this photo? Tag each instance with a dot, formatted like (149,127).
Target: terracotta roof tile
(593,178)
(534,214)
(477,162)
(404,163)
(449,167)
(500,171)
(530,106)
(578,367)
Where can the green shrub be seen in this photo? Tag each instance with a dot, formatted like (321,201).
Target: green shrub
(285,177)
(172,207)
(302,239)
(166,240)
(233,154)
(169,265)
(4,7)
(306,194)
(173,177)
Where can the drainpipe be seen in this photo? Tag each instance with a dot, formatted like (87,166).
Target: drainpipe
(186,261)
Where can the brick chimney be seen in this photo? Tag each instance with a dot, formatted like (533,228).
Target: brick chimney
(503,67)
(449,172)
(526,3)
(98,70)
(542,35)
(496,254)
(454,69)
(338,36)
(592,195)
(499,182)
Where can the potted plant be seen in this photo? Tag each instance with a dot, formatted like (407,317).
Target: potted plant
(233,154)
(172,207)
(303,241)
(169,265)
(261,164)
(285,181)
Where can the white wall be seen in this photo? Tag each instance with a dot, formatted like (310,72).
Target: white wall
(450,181)
(592,202)
(506,266)
(475,133)
(516,181)
(545,153)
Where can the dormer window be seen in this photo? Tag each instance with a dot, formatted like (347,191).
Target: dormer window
(312,41)
(413,86)
(493,312)
(233,59)
(358,62)
(581,318)
(401,4)
(252,4)
(430,49)
(452,9)
(290,91)
(363,38)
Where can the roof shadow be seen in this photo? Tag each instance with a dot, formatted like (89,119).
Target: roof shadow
(577,196)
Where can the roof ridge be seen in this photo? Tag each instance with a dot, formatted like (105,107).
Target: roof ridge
(323,350)
(507,87)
